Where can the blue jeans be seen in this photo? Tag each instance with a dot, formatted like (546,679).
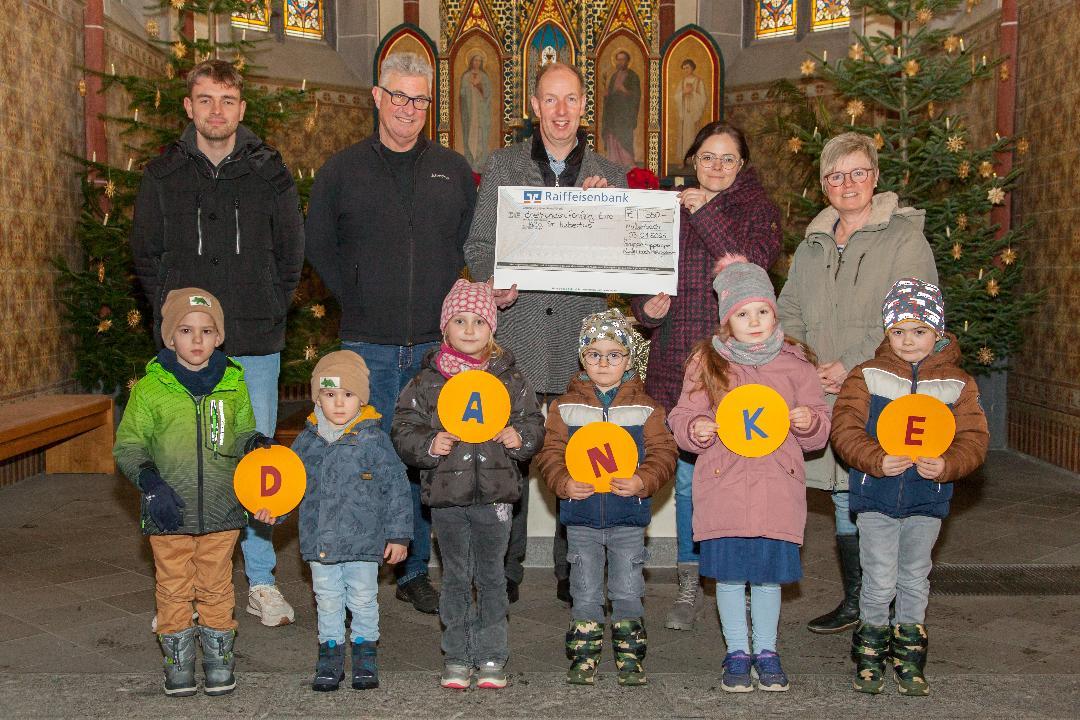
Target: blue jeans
(684,509)
(764,612)
(895,558)
(257,539)
(622,549)
(355,584)
(845,522)
(391,367)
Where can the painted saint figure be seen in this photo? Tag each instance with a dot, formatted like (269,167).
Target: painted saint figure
(620,116)
(475,97)
(691,98)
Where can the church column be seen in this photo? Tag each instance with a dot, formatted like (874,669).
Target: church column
(94,59)
(667,20)
(412,11)
(1006,103)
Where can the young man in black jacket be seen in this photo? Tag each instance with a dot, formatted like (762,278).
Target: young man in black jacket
(386,223)
(219,210)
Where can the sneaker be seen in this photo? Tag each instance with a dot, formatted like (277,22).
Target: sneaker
(491,676)
(770,676)
(419,592)
(267,603)
(737,673)
(456,677)
(562,591)
(512,592)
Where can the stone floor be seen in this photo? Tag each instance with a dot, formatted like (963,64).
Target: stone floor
(76,601)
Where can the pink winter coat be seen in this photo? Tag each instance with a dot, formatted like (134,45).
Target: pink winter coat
(736,496)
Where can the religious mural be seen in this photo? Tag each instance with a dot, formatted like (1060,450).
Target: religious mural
(621,103)
(691,81)
(478,100)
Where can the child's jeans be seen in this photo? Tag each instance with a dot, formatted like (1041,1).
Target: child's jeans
(473,541)
(764,613)
(194,569)
(355,584)
(623,549)
(895,558)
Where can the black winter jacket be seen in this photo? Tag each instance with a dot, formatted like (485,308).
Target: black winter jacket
(234,230)
(390,266)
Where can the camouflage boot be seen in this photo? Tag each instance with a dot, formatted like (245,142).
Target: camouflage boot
(584,644)
(870,648)
(629,642)
(909,643)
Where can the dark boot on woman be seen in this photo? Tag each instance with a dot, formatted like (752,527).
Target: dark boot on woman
(846,614)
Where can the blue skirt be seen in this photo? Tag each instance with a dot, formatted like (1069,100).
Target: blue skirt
(752,560)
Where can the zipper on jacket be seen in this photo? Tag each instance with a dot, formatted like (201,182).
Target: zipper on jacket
(236,218)
(858,266)
(412,254)
(199,456)
(198,219)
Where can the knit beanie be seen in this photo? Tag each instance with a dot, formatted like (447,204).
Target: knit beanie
(612,325)
(179,303)
(740,283)
(914,299)
(344,370)
(472,297)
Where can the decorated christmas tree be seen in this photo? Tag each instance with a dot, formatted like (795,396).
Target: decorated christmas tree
(108,318)
(901,87)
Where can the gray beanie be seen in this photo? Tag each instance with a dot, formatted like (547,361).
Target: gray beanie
(740,283)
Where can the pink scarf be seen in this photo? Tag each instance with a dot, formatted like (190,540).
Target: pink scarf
(450,362)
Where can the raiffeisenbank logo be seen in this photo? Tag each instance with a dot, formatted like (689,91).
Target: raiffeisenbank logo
(530,197)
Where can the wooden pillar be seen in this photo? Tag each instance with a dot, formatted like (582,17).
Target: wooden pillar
(1001,215)
(412,11)
(667,20)
(94,60)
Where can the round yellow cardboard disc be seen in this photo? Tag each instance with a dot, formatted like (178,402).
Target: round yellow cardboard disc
(474,405)
(273,478)
(599,452)
(753,420)
(916,426)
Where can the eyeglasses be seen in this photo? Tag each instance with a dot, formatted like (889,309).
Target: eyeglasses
(401,99)
(858,175)
(710,161)
(613,358)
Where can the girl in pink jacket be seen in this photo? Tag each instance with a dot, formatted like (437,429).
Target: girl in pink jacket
(749,513)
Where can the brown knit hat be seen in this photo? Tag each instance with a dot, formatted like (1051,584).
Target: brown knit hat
(179,303)
(342,369)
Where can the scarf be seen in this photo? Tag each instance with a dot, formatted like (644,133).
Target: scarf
(450,362)
(327,430)
(756,354)
(197,382)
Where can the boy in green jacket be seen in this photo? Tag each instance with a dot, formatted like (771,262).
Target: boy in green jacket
(186,425)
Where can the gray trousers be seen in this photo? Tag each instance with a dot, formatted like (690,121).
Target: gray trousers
(622,549)
(473,543)
(895,558)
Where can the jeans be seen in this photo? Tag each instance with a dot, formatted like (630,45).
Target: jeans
(257,539)
(519,532)
(391,367)
(622,549)
(355,584)
(684,509)
(764,612)
(473,542)
(845,524)
(895,558)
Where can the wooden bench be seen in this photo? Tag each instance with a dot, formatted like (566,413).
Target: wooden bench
(75,430)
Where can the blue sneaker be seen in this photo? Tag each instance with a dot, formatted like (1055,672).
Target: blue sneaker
(737,672)
(770,676)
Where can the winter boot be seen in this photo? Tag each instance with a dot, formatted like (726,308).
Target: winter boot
(846,614)
(218,660)
(870,647)
(684,611)
(365,665)
(629,641)
(330,667)
(908,652)
(584,644)
(179,650)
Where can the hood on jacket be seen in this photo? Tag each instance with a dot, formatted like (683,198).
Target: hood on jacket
(883,207)
(261,158)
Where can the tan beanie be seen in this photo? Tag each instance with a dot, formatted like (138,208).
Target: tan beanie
(179,303)
(342,369)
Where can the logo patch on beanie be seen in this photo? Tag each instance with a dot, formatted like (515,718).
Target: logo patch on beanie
(329,382)
(198,300)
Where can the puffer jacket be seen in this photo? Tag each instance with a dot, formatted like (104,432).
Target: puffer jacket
(473,473)
(873,385)
(736,496)
(357,497)
(194,442)
(832,302)
(631,409)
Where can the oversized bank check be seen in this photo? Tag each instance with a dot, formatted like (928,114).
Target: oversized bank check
(604,240)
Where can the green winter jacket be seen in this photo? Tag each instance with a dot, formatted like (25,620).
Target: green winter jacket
(833,302)
(195,444)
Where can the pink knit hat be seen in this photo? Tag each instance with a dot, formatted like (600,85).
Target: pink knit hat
(469,297)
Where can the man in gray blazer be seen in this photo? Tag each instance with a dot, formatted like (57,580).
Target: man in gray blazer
(541,328)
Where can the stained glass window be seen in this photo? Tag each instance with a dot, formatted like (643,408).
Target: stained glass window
(829,14)
(775,18)
(256,17)
(304,18)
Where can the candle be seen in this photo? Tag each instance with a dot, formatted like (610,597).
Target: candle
(961,44)
(243,34)
(303,85)
(136,114)
(106,220)
(93,158)
(946,122)
(130,160)
(311,173)
(112,67)
(980,273)
(948,232)
(825,57)
(984,61)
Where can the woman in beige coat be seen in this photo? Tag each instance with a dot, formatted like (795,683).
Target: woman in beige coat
(853,252)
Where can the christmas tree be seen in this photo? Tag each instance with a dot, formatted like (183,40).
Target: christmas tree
(898,88)
(106,313)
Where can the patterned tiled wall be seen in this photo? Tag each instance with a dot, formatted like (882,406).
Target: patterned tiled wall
(344,117)
(1044,383)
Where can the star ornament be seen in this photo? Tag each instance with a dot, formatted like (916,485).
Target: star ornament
(986,169)
(1022,146)
(879,141)
(924,16)
(177,4)
(104,325)
(957,252)
(856,52)
(318,311)
(985,356)
(855,108)
(807,68)
(955,144)
(911,68)
(134,317)
(963,170)
(309,352)
(179,49)
(951,44)
(961,221)
(995,195)
(794,144)
(1008,256)
(993,289)
(110,189)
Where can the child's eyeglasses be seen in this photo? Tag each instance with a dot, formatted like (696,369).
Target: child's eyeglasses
(593,358)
